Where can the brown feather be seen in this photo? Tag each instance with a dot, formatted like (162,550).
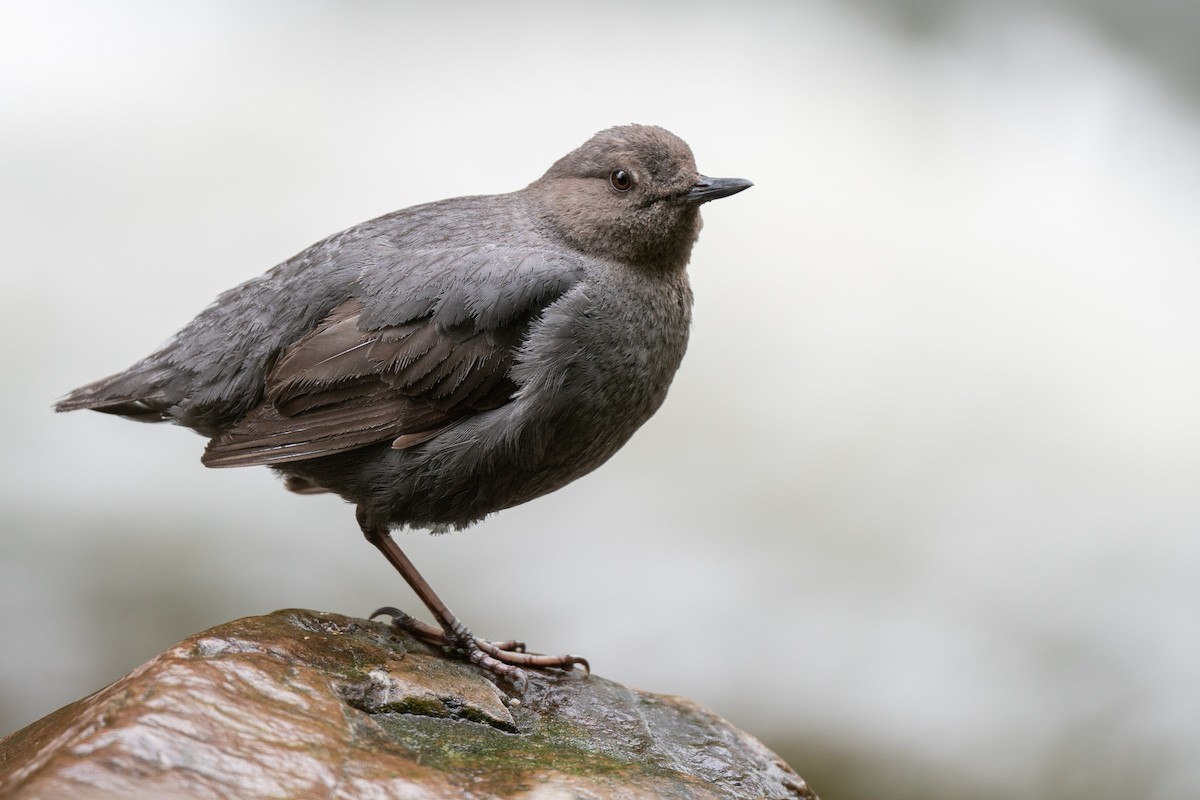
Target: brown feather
(339,388)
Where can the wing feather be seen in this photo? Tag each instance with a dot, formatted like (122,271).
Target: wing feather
(341,387)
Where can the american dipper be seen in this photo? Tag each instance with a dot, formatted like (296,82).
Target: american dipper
(449,360)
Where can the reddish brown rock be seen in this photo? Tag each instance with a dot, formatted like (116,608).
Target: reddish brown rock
(299,704)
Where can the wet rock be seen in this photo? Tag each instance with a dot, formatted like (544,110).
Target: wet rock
(303,704)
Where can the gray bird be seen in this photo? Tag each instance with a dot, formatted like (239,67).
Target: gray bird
(449,360)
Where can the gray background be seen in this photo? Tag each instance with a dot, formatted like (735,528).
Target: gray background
(921,511)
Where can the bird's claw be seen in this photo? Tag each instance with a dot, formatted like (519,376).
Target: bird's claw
(503,659)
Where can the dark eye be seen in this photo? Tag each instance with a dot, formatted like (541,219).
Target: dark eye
(621,180)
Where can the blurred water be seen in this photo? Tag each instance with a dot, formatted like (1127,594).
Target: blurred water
(921,510)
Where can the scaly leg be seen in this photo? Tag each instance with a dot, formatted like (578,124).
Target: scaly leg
(503,659)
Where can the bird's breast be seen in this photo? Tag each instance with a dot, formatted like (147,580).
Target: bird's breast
(599,363)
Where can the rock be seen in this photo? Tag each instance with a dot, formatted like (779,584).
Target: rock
(302,704)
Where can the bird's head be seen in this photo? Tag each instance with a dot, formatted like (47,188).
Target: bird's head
(631,193)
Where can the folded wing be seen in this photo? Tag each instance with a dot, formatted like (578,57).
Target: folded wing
(340,387)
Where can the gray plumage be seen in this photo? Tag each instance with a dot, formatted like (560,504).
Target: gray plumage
(453,359)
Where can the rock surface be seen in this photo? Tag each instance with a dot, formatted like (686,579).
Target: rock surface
(302,704)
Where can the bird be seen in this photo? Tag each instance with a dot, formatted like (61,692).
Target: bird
(449,360)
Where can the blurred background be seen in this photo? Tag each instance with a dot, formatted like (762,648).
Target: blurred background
(921,511)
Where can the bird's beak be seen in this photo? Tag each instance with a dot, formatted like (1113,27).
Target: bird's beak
(711,188)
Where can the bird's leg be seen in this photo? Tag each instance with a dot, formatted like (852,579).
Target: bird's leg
(503,659)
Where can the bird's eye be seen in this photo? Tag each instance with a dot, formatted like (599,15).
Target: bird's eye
(621,180)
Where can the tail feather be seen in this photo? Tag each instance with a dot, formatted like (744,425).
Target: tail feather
(136,394)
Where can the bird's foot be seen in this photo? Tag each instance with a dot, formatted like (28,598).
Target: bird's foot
(503,659)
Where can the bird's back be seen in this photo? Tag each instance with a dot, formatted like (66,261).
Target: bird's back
(401,266)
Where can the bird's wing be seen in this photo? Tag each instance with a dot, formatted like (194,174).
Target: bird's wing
(444,355)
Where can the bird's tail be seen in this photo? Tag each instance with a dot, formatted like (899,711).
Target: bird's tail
(138,393)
